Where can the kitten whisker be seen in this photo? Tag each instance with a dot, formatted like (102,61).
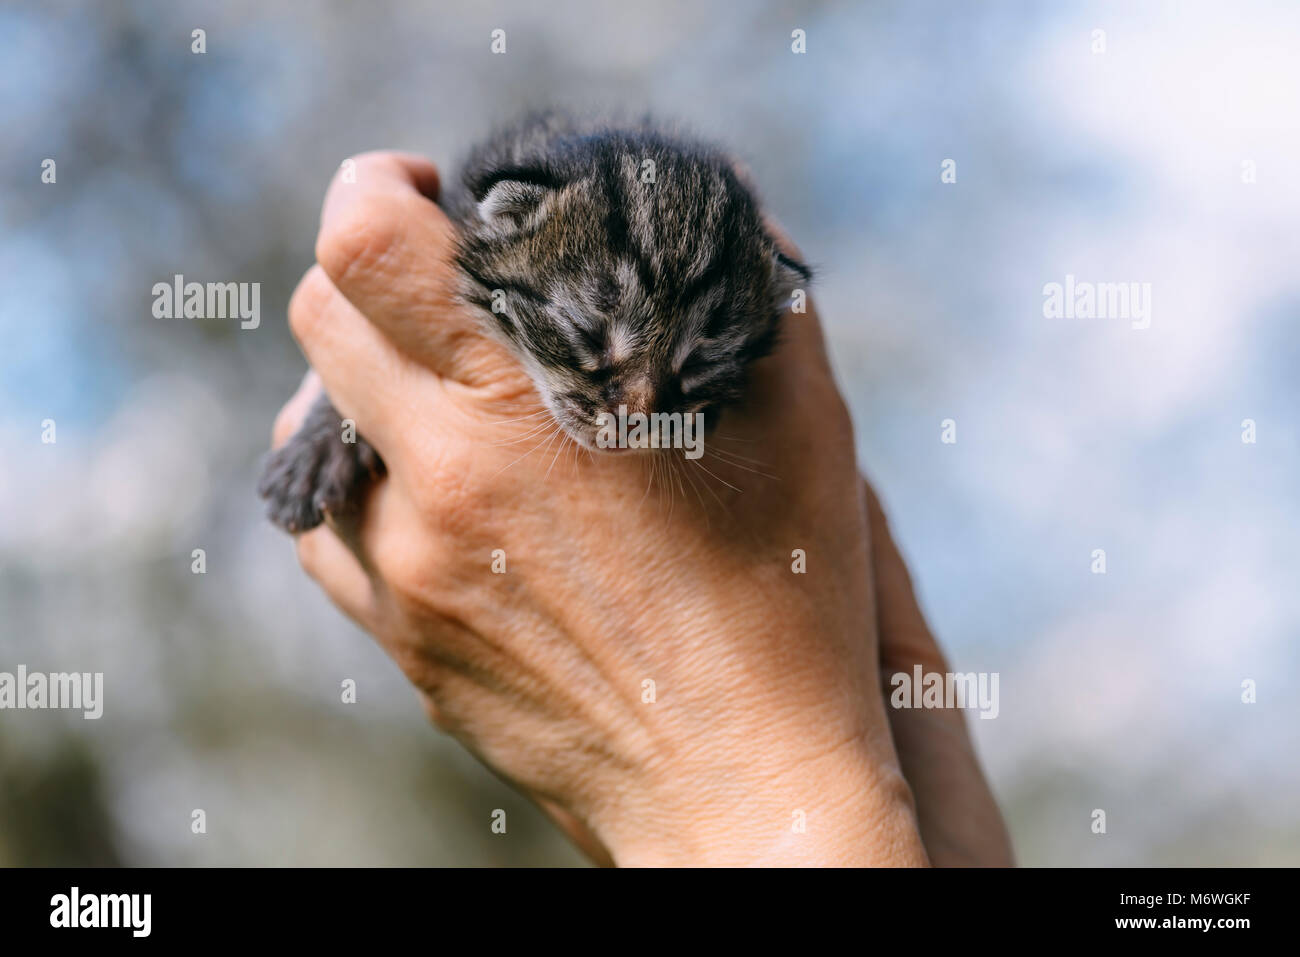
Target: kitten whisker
(649,481)
(560,448)
(736,465)
(709,488)
(525,455)
(656,472)
(738,457)
(700,464)
(522,418)
(534,430)
(672,492)
(700,498)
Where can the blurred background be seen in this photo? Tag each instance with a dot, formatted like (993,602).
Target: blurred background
(1135,162)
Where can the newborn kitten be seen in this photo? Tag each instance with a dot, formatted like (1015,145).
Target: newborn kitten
(623,266)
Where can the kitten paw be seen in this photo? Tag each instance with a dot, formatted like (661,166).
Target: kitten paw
(312,476)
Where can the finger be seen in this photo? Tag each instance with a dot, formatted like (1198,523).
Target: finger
(289,419)
(418,171)
(340,575)
(389,249)
(368,380)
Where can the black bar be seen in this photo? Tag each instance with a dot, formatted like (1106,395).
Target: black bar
(486,907)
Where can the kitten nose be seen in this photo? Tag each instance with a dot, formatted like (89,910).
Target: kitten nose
(637,394)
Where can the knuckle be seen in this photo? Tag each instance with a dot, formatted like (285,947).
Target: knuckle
(435,712)
(309,304)
(407,565)
(357,238)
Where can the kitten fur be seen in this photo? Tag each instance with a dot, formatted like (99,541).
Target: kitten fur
(622,264)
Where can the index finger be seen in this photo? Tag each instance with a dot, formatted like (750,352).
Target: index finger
(388,248)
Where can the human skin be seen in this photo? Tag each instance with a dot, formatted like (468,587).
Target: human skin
(767,709)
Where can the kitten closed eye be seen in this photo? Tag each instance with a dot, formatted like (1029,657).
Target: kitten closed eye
(695,366)
(593,339)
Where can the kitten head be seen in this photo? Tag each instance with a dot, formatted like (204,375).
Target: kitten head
(625,269)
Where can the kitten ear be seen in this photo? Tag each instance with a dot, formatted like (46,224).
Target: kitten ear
(787,275)
(510,203)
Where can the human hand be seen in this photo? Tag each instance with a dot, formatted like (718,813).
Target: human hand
(767,707)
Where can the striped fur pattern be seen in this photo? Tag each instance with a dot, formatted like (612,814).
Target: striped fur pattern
(624,266)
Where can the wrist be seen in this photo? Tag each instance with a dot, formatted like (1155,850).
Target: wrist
(842,808)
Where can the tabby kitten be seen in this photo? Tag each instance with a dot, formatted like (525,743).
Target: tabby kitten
(622,265)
